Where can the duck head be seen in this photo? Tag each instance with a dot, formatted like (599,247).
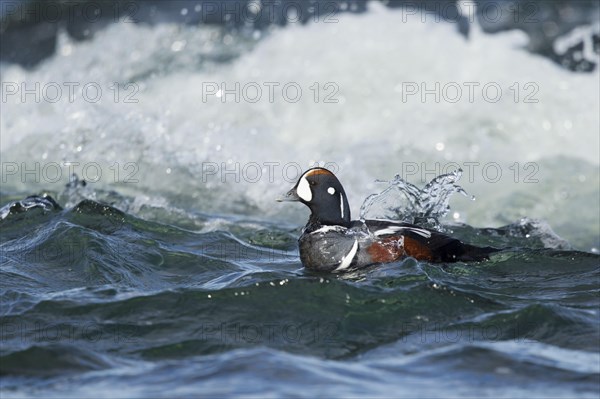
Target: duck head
(322,192)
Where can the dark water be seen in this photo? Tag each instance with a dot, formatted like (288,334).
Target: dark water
(98,302)
(149,297)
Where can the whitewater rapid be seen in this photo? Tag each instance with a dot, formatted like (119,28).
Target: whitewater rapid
(350,94)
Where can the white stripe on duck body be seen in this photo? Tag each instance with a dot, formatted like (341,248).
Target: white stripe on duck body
(332,242)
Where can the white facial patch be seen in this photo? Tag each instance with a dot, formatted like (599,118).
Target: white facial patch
(342,205)
(331,190)
(303,190)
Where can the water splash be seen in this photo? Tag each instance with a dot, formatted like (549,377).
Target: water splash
(404,201)
(44,203)
(78,190)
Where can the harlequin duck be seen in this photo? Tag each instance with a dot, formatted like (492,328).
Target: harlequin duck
(332,242)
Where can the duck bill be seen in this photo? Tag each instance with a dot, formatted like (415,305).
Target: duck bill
(290,196)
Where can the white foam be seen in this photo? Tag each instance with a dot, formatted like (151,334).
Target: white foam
(171,131)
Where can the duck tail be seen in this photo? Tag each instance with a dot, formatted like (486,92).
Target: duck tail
(457,251)
(442,248)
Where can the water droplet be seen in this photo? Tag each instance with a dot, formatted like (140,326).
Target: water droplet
(178,45)
(66,50)
(547,125)
(503,370)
